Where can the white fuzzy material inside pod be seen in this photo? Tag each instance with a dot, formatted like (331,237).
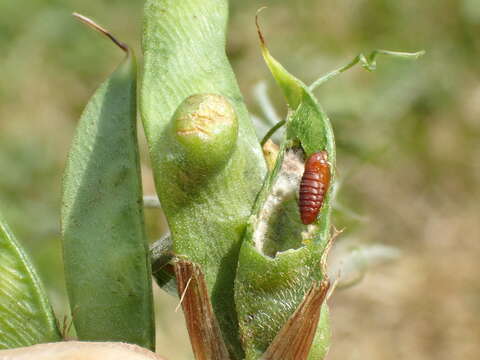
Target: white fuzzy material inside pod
(309,233)
(285,187)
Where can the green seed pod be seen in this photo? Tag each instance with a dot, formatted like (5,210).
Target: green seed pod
(206,128)
(107,264)
(281,258)
(26,317)
(208,204)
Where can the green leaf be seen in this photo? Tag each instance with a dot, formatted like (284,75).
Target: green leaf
(207,208)
(26,317)
(106,255)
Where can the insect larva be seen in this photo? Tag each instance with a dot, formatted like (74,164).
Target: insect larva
(314,186)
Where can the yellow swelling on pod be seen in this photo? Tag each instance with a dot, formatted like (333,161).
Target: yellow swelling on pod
(205,127)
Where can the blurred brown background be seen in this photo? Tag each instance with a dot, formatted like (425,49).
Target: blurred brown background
(408,143)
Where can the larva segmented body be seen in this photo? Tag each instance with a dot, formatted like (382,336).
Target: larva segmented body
(313,186)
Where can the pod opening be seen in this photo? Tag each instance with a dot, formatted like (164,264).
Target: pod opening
(278,226)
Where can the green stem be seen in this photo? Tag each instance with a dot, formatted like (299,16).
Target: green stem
(272,131)
(368,62)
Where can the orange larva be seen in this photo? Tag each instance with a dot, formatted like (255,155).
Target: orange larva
(314,186)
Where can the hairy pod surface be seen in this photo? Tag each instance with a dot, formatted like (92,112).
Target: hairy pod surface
(208,206)
(26,317)
(107,264)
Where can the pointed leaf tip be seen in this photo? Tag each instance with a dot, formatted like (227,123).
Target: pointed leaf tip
(291,86)
(89,22)
(259,31)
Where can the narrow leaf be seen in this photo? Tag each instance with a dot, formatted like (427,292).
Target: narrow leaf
(26,317)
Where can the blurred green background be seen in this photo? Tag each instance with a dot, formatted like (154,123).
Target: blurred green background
(408,143)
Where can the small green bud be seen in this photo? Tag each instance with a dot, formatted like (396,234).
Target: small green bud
(206,128)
